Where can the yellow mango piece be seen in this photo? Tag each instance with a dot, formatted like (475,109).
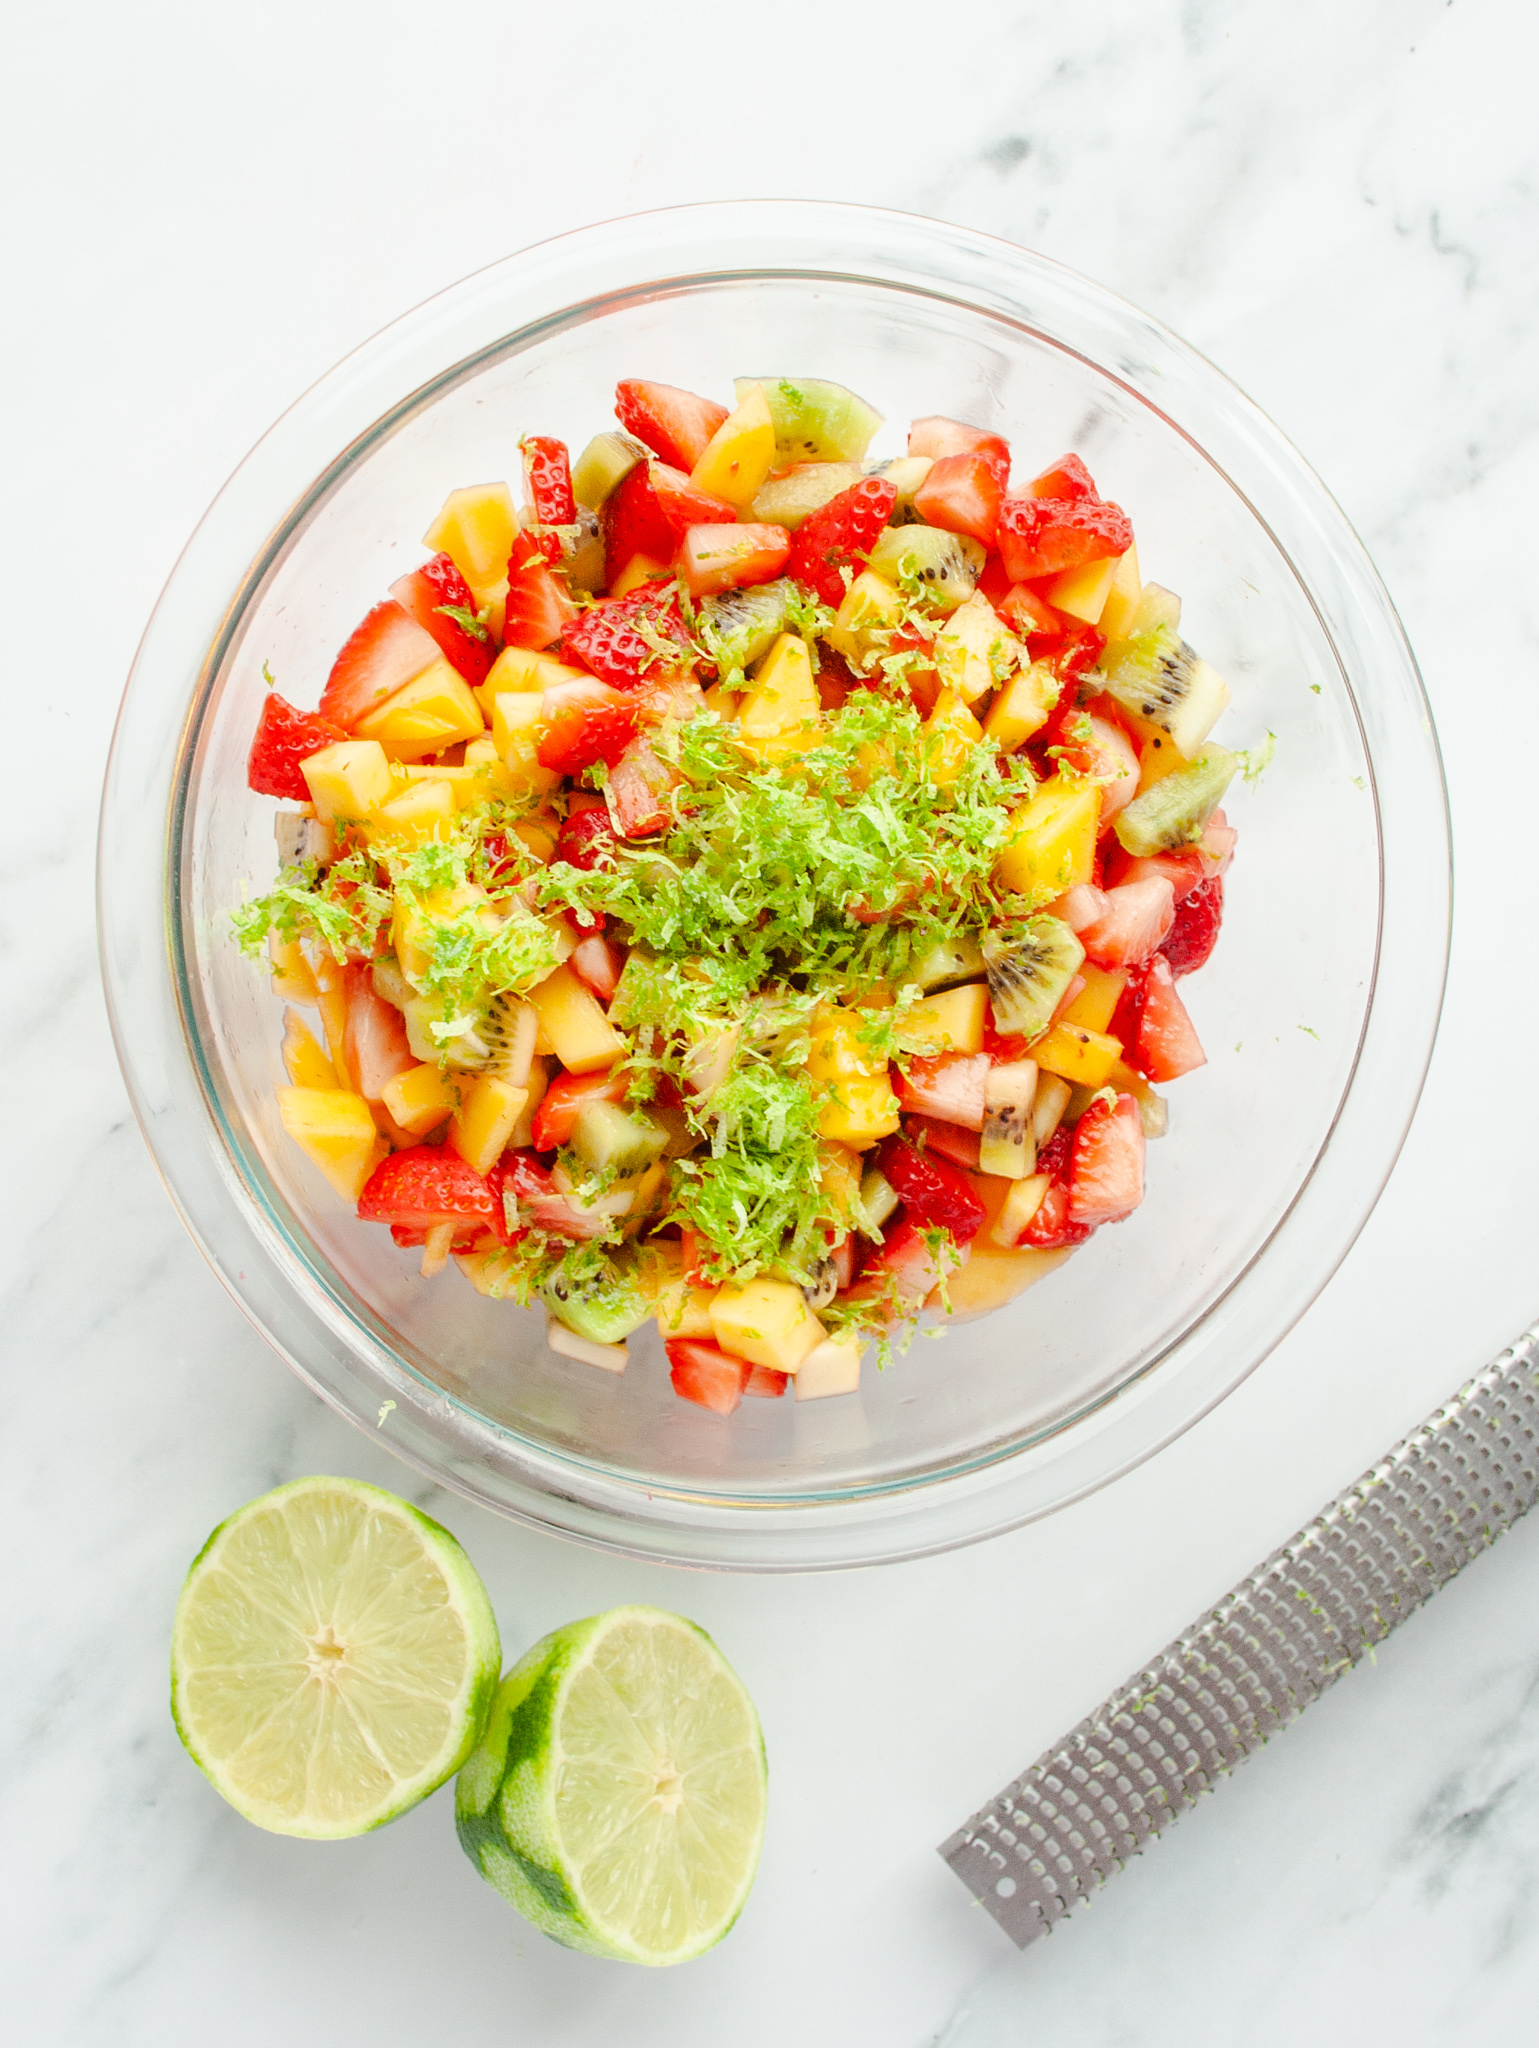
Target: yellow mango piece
(681,1308)
(539,835)
(410,937)
(336,1129)
(974,650)
(1083,592)
(476,529)
(347,779)
(767,1322)
(517,722)
(421,1098)
(303,1060)
(1051,846)
(1022,707)
(783,696)
(833,1368)
(484,1122)
(424,810)
(1078,1055)
(1122,600)
(951,734)
(952,1021)
(333,1009)
(638,570)
(740,454)
(1159,757)
(521,668)
(1096,1003)
(863,622)
(430,713)
(992,1277)
(857,1104)
(1022,1200)
(572,1025)
(292,978)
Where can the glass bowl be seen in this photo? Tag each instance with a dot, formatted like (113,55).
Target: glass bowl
(1318,1011)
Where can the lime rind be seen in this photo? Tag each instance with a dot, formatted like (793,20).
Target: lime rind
(572,1806)
(334,1657)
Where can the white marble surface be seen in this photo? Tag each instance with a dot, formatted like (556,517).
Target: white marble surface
(205,207)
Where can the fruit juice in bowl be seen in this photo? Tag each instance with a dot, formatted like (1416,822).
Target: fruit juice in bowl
(1147,1323)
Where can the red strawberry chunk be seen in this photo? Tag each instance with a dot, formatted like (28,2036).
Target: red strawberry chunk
(374,1036)
(706,1374)
(522,1184)
(907,1267)
(840,536)
(1051,1229)
(932,1189)
(583,723)
(1067,478)
(1043,536)
(1027,613)
(638,790)
(381,656)
(549,470)
(682,506)
(732,557)
(950,1087)
(1134,922)
(284,738)
(633,523)
(617,639)
(585,838)
(1194,933)
(425,593)
(951,1141)
(410,1239)
(1106,1178)
(677,425)
(963,494)
(538,608)
(1182,867)
(597,963)
(939,437)
(427,1185)
(765,1382)
(557,1113)
(1158,1037)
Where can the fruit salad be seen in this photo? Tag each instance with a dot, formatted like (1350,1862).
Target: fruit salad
(745,884)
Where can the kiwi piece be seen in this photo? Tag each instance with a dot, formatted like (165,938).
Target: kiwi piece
(482,1045)
(815,421)
(1006,1146)
(947,963)
(1028,975)
(606,461)
(790,499)
(607,1305)
(905,473)
(946,566)
(878,1200)
(390,984)
(1159,679)
(582,553)
(740,625)
(1175,810)
(606,1137)
(1054,1095)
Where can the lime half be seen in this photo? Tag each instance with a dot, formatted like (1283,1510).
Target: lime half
(617,1797)
(333,1658)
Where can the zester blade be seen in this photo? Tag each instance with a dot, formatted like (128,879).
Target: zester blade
(1256,1660)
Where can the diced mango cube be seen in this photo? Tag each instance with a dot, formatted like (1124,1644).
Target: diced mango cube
(1022,707)
(951,734)
(638,570)
(991,1278)
(303,1060)
(347,779)
(1096,1003)
(1051,846)
(335,1127)
(783,696)
(430,713)
(974,650)
(572,1025)
(767,1322)
(1083,592)
(411,925)
(740,454)
(420,1098)
(1159,757)
(1081,1056)
(952,1021)
(856,1102)
(476,529)
(293,979)
(332,1003)
(865,619)
(832,1368)
(484,1121)
(523,668)
(1122,600)
(424,810)
(517,722)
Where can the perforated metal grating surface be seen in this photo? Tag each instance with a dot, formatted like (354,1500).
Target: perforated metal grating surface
(1270,1647)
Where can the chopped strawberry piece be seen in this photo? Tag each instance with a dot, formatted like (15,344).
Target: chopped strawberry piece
(620,638)
(1067,478)
(585,838)
(1043,536)
(522,1183)
(1182,868)
(765,1382)
(841,536)
(732,557)
(557,1113)
(374,1037)
(284,738)
(583,723)
(963,494)
(383,654)
(633,523)
(677,425)
(1027,613)
(706,1374)
(992,582)
(940,437)
(410,1239)
(1052,1229)
(1102,748)
(950,1087)
(1071,654)
(549,470)
(1217,845)
(908,1266)
(932,1189)
(428,595)
(638,790)
(952,1141)
(598,964)
(1158,1037)
(1135,921)
(427,1185)
(1106,1178)
(682,506)
(538,608)
(1195,932)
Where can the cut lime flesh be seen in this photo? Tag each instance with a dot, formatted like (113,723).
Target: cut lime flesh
(333,1658)
(617,1798)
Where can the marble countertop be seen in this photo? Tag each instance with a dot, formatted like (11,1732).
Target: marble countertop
(205,209)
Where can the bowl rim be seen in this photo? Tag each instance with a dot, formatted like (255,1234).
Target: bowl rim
(140,871)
